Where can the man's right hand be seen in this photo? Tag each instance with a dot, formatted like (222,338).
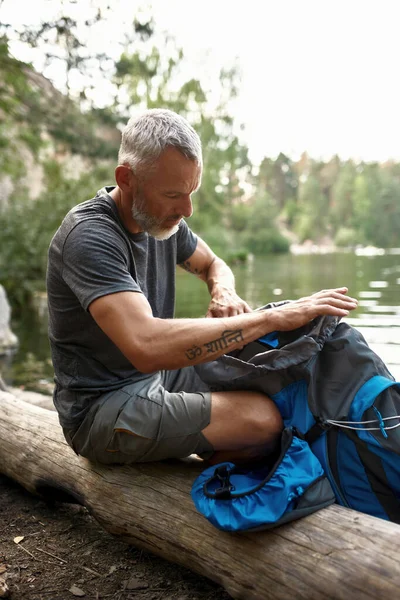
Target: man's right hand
(295,314)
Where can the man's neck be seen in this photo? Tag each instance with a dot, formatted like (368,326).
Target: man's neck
(124,211)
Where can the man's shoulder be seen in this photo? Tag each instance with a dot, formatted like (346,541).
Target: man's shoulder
(92,214)
(99,207)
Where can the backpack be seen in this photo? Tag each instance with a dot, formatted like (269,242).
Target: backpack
(267,494)
(337,395)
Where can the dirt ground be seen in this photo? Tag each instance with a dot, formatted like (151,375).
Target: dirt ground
(64,554)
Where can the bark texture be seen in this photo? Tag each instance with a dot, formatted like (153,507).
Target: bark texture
(335,553)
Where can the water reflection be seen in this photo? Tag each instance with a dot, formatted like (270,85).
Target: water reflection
(371,279)
(292,276)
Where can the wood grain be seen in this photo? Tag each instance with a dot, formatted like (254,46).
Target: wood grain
(335,553)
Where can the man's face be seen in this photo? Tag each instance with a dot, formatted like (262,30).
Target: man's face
(164,197)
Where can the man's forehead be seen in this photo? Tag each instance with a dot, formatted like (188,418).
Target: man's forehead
(176,169)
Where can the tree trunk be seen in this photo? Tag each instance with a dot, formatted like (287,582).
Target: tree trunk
(335,553)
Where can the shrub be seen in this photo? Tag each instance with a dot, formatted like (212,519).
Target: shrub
(266,241)
(27,227)
(346,237)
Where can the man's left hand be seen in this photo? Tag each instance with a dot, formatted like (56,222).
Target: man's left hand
(226,303)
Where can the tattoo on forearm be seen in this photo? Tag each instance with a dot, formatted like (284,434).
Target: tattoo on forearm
(193,352)
(229,336)
(188,267)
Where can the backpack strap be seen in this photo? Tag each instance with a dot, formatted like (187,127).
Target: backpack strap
(317,430)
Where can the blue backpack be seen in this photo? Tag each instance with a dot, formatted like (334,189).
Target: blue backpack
(339,399)
(270,493)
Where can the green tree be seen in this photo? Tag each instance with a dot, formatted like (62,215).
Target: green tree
(365,194)
(147,78)
(18,111)
(262,235)
(341,211)
(27,227)
(279,179)
(312,220)
(62,40)
(386,213)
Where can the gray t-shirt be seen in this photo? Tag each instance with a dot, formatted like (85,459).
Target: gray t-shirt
(92,255)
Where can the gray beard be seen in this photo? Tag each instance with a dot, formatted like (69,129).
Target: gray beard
(151,225)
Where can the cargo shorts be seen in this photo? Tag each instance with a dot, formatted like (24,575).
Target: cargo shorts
(161,416)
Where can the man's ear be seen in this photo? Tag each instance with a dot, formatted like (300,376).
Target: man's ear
(125,178)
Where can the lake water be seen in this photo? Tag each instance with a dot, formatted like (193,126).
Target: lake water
(374,280)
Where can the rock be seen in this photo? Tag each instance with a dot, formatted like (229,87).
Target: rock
(136,584)
(8,341)
(42,400)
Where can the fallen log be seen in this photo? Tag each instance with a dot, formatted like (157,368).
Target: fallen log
(335,553)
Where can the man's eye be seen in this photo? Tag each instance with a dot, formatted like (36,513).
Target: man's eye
(172,196)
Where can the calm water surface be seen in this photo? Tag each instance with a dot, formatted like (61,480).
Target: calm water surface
(374,280)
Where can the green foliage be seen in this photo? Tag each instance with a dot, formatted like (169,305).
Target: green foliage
(266,240)
(314,199)
(341,210)
(14,94)
(386,213)
(261,234)
(279,179)
(61,40)
(226,244)
(348,203)
(238,256)
(81,134)
(221,240)
(312,217)
(346,237)
(27,227)
(25,112)
(291,212)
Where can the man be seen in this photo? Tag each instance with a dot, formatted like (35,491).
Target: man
(126,388)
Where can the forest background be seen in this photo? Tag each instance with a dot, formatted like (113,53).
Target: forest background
(240,209)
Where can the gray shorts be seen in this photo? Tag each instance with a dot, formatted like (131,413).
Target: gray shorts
(161,416)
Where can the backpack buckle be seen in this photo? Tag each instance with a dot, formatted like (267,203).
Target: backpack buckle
(224,492)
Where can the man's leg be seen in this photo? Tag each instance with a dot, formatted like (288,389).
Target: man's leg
(172,415)
(243,425)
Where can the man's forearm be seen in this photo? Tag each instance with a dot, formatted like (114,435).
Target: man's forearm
(177,343)
(153,344)
(218,276)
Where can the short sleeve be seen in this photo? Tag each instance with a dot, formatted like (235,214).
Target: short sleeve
(186,242)
(95,262)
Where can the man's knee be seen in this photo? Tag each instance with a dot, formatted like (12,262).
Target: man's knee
(243,419)
(264,421)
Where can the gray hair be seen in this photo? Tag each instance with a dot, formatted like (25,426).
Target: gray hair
(145,137)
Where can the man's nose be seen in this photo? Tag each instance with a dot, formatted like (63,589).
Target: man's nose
(187,206)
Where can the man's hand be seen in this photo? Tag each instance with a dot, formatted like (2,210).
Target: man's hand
(226,303)
(327,302)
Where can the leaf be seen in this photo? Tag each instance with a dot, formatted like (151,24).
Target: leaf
(76,591)
(19,539)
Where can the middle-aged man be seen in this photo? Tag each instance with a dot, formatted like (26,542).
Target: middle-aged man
(126,387)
